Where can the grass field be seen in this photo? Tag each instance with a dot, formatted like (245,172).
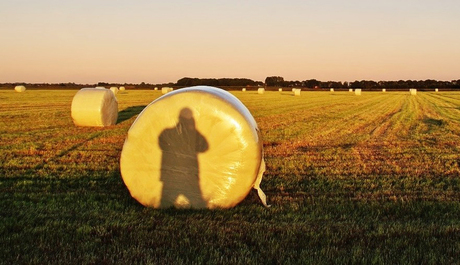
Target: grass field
(351,179)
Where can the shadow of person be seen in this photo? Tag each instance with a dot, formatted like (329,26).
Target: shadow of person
(180,146)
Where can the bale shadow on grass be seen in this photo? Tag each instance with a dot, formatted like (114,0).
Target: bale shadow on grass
(128,113)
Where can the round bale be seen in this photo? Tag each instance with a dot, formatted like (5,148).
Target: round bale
(196,147)
(20,88)
(94,107)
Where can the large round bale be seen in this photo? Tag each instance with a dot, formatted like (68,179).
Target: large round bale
(114,89)
(413,91)
(260,90)
(94,107)
(358,91)
(196,147)
(296,92)
(20,88)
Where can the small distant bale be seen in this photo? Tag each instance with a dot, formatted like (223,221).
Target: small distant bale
(358,91)
(332,90)
(244,89)
(122,88)
(100,87)
(114,89)
(384,90)
(413,91)
(94,107)
(261,90)
(436,90)
(350,90)
(165,90)
(296,92)
(156,88)
(280,89)
(20,88)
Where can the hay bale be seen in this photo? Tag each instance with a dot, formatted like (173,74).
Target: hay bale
(413,91)
(122,88)
(20,88)
(94,107)
(384,90)
(244,89)
(332,90)
(156,88)
(261,90)
(296,92)
(358,91)
(114,89)
(436,90)
(350,90)
(280,89)
(196,147)
(100,87)
(165,90)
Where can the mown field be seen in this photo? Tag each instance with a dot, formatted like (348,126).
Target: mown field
(351,179)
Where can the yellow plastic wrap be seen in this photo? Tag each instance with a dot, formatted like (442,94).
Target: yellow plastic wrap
(94,107)
(196,147)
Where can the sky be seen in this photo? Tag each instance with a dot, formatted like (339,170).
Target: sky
(153,41)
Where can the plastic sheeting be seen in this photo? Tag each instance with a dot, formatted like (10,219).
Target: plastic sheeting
(94,107)
(196,147)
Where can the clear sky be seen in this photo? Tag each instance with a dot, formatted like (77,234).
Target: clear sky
(159,41)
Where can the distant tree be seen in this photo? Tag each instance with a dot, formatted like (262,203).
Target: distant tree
(274,81)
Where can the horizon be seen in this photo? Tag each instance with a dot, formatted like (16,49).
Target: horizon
(89,42)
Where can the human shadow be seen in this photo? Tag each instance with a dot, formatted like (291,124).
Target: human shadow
(180,174)
(128,113)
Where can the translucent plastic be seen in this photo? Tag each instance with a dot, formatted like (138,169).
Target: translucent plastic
(195,147)
(94,107)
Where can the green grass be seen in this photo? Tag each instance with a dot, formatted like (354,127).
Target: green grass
(351,179)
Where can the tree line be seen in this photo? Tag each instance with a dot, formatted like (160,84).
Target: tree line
(364,84)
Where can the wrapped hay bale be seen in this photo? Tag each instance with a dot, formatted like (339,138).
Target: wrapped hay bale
(296,92)
(196,147)
(260,90)
(114,89)
(94,107)
(413,91)
(358,91)
(165,90)
(20,88)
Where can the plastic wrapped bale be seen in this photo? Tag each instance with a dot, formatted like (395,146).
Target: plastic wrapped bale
(296,92)
(358,91)
(94,107)
(260,90)
(165,90)
(20,88)
(114,89)
(196,147)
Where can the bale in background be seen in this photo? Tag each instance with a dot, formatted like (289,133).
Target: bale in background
(350,90)
(94,107)
(358,91)
(296,92)
(413,91)
(332,90)
(196,147)
(244,89)
(114,89)
(165,90)
(20,88)
(384,90)
(260,90)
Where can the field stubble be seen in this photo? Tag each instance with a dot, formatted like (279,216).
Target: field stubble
(370,178)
